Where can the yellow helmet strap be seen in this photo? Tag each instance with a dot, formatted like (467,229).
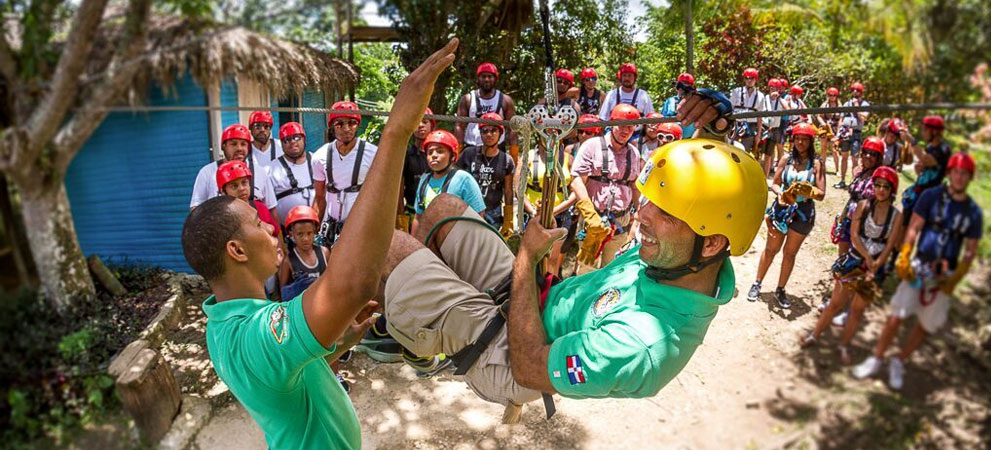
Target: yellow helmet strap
(695,264)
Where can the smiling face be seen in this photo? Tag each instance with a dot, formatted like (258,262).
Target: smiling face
(589,82)
(667,240)
(882,189)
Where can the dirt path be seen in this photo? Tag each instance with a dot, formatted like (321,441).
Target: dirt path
(748,386)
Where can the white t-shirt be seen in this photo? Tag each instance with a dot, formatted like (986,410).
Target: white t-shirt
(205,186)
(339,204)
(744,102)
(477,106)
(265,157)
(642,103)
(281,183)
(855,123)
(775,104)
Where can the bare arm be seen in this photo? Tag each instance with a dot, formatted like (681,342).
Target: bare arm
(354,270)
(820,181)
(890,246)
(320,198)
(914,226)
(578,187)
(459,128)
(509,107)
(776,184)
(855,240)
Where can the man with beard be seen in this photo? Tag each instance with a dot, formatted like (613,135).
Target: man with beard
(235,143)
(748,98)
(414,167)
(626,93)
(483,100)
(339,170)
(265,149)
(292,173)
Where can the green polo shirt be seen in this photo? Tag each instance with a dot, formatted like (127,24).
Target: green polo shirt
(617,333)
(267,356)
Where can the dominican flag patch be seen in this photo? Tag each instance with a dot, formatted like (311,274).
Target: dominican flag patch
(576,374)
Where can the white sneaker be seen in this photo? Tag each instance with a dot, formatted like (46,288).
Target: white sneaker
(896,373)
(822,306)
(868,368)
(840,319)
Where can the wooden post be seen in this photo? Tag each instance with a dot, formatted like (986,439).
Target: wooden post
(105,276)
(147,389)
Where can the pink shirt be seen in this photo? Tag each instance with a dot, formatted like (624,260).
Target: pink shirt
(617,194)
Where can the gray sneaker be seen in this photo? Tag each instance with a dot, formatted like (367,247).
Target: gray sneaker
(428,367)
(754,292)
(379,347)
(896,373)
(870,367)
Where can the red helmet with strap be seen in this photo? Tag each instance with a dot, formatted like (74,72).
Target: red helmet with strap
(856,86)
(301,213)
(444,138)
(797,90)
(493,116)
(750,72)
(889,174)
(230,171)
(565,74)
(873,144)
(962,161)
(624,111)
(895,125)
(832,91)
(784,83)
(588,72)
(803,129)
(774,83)
(626,68)
(291,129)
(590,118)
(260,116)
(343,105)
(686,78)
(487,68)
(670,128)
(236,131)
(934,122)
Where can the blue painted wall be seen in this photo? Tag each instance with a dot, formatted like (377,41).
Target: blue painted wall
(315,124)
(228,97)
(130,184)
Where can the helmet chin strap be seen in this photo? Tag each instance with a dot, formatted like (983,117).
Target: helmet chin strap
(695,264)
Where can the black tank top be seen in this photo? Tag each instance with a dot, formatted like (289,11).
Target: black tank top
(300,270)
(589,104)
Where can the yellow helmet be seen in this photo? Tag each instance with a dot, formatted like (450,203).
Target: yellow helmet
(712,186)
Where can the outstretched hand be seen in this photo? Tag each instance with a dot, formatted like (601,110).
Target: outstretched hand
(699,110)
(415,91)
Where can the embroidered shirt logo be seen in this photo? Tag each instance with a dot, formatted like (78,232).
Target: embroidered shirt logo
(278,323)
(576,375)
(606,301)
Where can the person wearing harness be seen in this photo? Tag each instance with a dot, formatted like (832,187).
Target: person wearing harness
(265,149)
(442,150)
(794,101)
(413,168)
(771,143)
(627,93)
(235,142)
(798,180)
(829,125)
(622,332)
(493,169)
(590,98)
(860,271)
(292,173)
(682,86)
(851,131)
(563,214)
(748,98)
(896,140)
(946,222)
(483,100)
(583,134)
(339,170)
(930,163)
(648,141)
(603,177)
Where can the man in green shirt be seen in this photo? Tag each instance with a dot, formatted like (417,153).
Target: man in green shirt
(623,331)
(273,355)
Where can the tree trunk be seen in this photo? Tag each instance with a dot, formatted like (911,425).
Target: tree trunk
(14,232)
(52,237)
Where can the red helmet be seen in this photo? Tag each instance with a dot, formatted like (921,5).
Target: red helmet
(487,68)
(750,72)
(260,116)
(624,111)
(626,68)
(343,105)
(670,128)
(588,72)
(895,125)
(963,161)
(888,174)
(934,122)
(230,171)
(832,91)
(236,131)
(291,129)
(433,123)
(804,129)
(445,138)
(301,213)
(784,83)
(493,116)
(873,144)
(856,86)
(686,78)
(590,118)
(774,83)
(566,74)
(797,90)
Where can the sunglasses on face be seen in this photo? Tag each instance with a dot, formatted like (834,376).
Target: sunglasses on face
(293,138)
(749,78)
(592,79)
(345,123)
(665,136)
(261,126)
(882,185)
(587,132)
(488,130)
(562,80)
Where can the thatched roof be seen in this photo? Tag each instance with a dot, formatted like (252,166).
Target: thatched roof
(214,52)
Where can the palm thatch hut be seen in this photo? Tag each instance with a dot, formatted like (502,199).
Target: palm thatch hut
(130,184)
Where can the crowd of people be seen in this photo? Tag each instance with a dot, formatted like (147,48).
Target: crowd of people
(304,202)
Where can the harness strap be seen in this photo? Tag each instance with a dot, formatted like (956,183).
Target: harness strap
(294,185)
(355,187)
(426,182)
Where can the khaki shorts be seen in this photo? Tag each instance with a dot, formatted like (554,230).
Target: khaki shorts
(932,316)
(435,307)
